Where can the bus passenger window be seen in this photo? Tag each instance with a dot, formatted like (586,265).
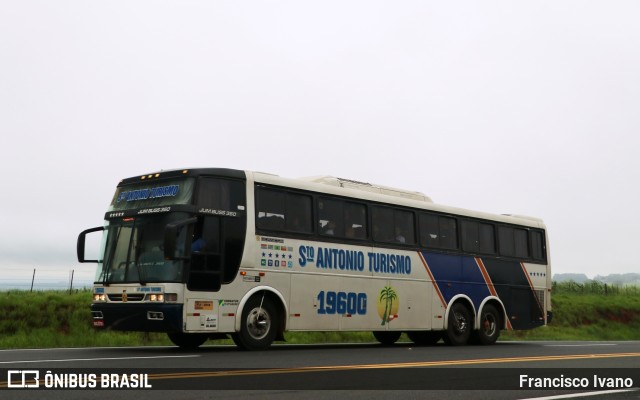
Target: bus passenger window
(342,219)
(438,232)
(521,245)
(537,246)
(270,209)
(355,218)
(393,226)
(383,228)
(330,217)
(478,237)
(448,233)
(298,213)
(278,210)
(404,227)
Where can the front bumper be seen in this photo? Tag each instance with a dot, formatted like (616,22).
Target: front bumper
(143,317)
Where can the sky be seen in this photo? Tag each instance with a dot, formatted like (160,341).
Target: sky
(499,106)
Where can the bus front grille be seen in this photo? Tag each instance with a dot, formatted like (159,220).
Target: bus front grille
(129,297)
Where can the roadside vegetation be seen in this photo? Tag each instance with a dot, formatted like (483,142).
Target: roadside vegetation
(589,311)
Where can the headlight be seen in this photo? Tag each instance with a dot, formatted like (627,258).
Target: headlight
(99,297)
(156,298)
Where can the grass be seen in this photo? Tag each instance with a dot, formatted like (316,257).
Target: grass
(590,311)
(59,319)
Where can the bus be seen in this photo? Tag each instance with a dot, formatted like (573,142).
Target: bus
(210,253)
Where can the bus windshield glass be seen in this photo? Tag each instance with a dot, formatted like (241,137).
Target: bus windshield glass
(134,251)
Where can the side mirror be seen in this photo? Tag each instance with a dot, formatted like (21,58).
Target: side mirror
(171,236)
(81,244)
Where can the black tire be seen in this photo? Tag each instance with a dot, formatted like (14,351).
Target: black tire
(259,324)
(490,322)
(424,338)
(459,325)
(187,341)
(387,338)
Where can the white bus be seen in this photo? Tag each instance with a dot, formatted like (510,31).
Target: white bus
(207,253)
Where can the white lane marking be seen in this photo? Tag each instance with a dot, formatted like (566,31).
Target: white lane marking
(97,359)
(99,348)
(581,345)
(577,395)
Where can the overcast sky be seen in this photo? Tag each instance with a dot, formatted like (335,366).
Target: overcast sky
(500,106)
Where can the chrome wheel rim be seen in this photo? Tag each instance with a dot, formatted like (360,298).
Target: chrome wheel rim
(258,323)
(489,324)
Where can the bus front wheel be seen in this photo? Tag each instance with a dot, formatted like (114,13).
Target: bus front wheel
(259,324)
(459,325)
(187,341)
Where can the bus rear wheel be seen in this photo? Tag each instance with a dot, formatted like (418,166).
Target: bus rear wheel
(387,338)
(424,338)
(187,341)
(259,324)
(489,326)
(459,325)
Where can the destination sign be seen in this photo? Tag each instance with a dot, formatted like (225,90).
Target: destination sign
(152,197)
(152,193)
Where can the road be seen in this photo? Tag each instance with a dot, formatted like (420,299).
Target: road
(329,371)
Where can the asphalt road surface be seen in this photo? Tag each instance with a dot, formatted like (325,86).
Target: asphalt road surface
(507,370)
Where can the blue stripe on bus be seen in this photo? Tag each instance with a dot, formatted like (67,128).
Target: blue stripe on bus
(461,275)
(457,275)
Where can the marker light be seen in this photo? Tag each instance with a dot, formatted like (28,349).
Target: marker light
(171,297)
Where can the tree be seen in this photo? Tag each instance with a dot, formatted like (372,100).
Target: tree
(388,295)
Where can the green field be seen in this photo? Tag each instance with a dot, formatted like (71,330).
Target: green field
(592,311)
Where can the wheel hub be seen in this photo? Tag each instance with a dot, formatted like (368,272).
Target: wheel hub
(258,323)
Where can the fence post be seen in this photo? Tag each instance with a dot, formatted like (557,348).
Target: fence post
(71,285)
(33,278)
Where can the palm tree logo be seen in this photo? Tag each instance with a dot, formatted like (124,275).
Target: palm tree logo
(388,303)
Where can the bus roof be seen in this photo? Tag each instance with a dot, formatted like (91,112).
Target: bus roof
(348,183)
(344,187)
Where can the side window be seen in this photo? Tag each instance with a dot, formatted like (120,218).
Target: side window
(448,233)
(382,224)
(521,245)
(506,242)
(438,232)
(355,218)
(221,194)
(283,211)
(298,213)
(393,226)
(478,237)
(404,227)
(513,242)
(330,217)
(487,239)
(537,246)
(342,219)
(270,206)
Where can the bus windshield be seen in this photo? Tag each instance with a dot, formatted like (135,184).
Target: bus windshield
(134,251)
